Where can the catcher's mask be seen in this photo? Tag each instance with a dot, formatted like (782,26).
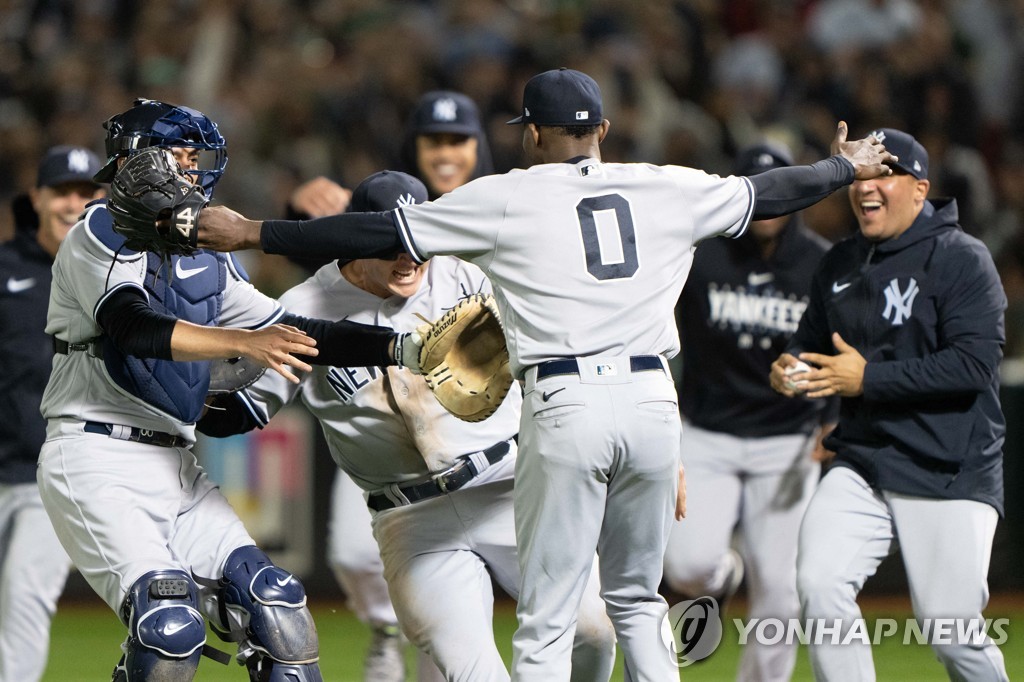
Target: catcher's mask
(150,123)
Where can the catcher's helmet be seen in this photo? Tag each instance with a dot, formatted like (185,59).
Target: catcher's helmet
(150,123)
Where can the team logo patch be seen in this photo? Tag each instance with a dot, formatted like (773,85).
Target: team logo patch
(607,370)
(78,161)
(582,115)
(898,304)
(445,109)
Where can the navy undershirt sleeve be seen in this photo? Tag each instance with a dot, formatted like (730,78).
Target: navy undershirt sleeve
(345,343)
(134,327)
(782,191)
(346,235)
(225,416)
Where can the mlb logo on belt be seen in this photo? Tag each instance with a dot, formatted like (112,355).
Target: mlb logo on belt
(607,370)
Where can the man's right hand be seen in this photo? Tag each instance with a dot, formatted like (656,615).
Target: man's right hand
(867,155)
(275,347)
(320,197)
(222,229)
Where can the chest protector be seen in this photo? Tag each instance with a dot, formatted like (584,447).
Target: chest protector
(189,288)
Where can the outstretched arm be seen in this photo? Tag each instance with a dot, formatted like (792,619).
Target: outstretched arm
(136,329)
(347,235)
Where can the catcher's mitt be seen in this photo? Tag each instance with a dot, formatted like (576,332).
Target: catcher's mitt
(464,359)
(154,204)
(229,376)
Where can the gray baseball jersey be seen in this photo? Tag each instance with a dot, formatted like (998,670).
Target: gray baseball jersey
(587,260)
(123,508)
(607,287)
(384,426)
(81,387)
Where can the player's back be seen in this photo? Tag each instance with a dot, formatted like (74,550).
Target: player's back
(586,258)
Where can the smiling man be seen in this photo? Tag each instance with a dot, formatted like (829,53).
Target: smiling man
(33,565)
(905,323)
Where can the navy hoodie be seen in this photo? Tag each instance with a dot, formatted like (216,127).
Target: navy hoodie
(26,351)
(926,311)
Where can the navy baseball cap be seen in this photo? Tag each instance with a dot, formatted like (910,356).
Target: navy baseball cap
(913,158)
(445,111)
(761,157)
(562,97)
(67,163)
(387,190)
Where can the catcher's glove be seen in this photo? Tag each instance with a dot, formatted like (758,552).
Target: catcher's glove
(229,376)
(154,204)
(464,359)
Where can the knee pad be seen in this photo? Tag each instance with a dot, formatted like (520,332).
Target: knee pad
(166,633)
(278,625)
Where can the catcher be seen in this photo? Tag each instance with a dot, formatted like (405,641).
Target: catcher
(439,488)
(137,314)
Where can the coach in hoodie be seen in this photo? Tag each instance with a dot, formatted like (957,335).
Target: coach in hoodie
(905,323)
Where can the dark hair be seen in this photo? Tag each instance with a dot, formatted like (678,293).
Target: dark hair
(579,132)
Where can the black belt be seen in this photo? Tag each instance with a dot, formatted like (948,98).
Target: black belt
(93,346)
(569,366)
(144,436)
(442,483)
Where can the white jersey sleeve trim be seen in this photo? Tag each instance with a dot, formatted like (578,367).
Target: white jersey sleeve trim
(259,415)
(406,236)
(269,320)
(110,292)
(752,195)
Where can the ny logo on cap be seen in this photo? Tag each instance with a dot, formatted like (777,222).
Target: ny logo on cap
(898,303)
(878,135)
(406,199)
(445,109)
(78,161)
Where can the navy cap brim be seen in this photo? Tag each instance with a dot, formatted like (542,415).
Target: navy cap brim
(452,128)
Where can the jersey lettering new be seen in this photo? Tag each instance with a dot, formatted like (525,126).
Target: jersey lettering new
(586,258)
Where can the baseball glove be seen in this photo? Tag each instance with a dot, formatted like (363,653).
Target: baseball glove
(464,359)
(229,376)
(155,206)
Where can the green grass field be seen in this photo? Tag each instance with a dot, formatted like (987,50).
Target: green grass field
(86,636)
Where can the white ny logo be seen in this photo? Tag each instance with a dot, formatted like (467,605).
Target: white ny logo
(78,160)
(899,303)
(445,109)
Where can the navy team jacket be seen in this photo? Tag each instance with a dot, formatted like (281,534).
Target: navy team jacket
(926,311)
(26,353)
(736,315)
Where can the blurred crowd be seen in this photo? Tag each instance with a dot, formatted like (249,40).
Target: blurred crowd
(322,87)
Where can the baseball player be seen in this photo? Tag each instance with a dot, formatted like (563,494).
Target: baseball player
(905,323)
(444,146)
(133,333)
(33,565)
(751,456)
(440,489)
(587,261)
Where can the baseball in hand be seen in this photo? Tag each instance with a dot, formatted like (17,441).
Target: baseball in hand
(799,367)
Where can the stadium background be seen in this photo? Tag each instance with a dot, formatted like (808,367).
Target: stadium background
(308,87)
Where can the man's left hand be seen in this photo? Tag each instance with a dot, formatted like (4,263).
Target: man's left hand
(841,374)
